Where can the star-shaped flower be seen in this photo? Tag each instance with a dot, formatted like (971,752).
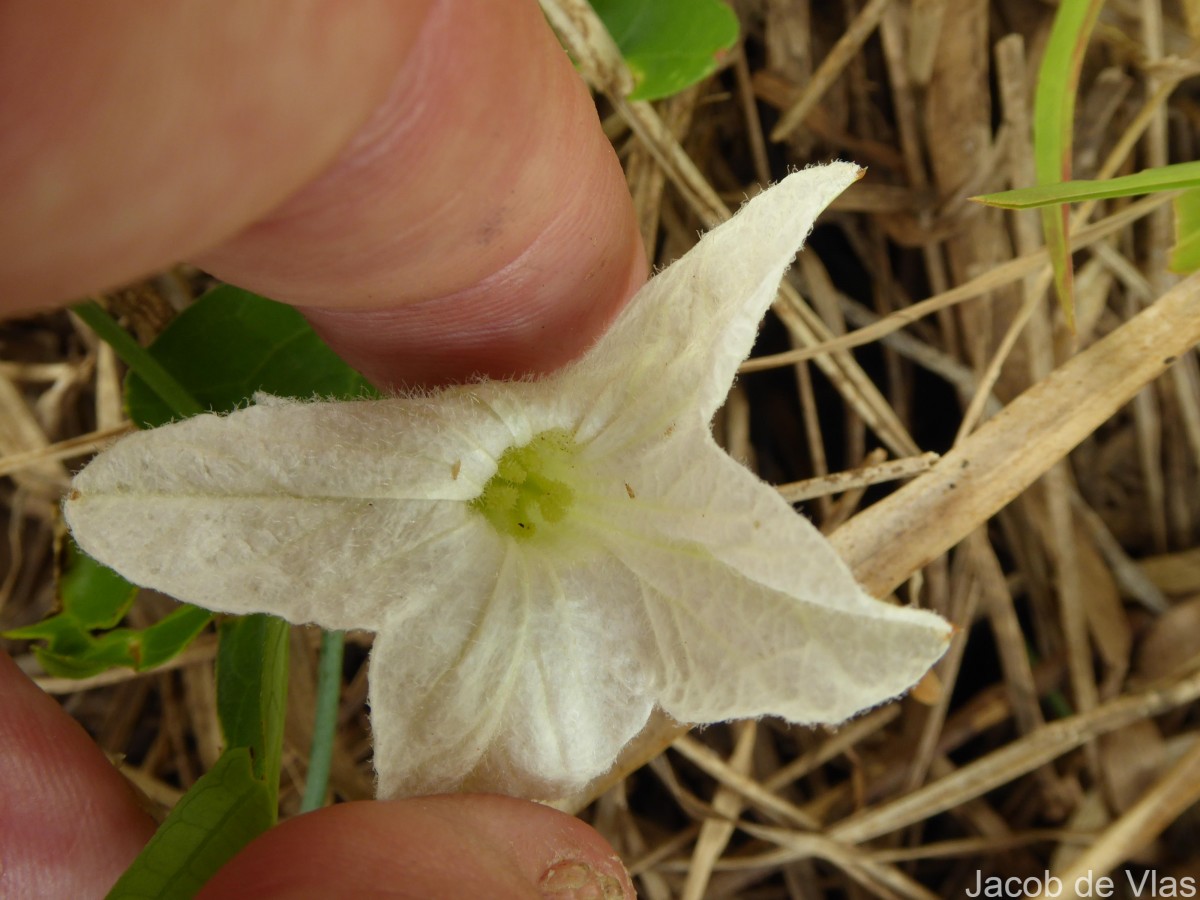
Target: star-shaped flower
(542,561)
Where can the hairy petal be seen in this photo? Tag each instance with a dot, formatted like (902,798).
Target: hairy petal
(522,664)
(677,345)
(318,512)
(752,610)
(730,648)
(402,449)
(338,563)
(690,491)
(523,682)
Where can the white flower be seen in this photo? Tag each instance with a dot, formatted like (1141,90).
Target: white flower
(542,561)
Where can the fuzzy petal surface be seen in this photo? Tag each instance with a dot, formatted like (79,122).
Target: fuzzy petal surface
(525,681)
(318,512)
(730,648)
(690,491)
(679,342)
(660,572)
(752,611)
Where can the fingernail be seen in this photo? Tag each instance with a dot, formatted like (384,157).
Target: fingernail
(571,879)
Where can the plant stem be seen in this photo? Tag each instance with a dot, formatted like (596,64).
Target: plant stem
(329,689)
(138,359)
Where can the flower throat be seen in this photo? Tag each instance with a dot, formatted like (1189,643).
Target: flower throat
(528,491)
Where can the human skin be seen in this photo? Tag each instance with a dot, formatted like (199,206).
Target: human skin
(428,182)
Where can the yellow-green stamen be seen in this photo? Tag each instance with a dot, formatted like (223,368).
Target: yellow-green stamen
(528,491)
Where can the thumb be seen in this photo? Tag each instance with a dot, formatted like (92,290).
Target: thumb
(427,849)
(131,140)
(428,178)
(479,222)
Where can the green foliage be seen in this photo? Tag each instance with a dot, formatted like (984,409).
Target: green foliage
(168,636)
(224,348)
(252,691)
(94,595)
(668,44)
(230,344)
(1053,118)
(225,810)
(1185,255)
(1148,181)
(93,599)
(139,360)
(216,355)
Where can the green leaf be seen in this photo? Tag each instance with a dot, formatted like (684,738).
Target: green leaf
(252,662)
(223,349)
(668,44)
(1053,120)
(1185,255)
(62,632)
(72,651)
(225,809)
(167,638)
(93,593)
(95,598)
(231,343)
(1148,181)
(69,659)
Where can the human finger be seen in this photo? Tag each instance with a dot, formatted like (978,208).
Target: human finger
(70,822)
(479,224)
(137,134)
(426,849)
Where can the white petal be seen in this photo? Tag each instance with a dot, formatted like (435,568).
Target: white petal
(730,648)
(678,343)
(688,490)
(318,512)
(752,611)
(523,682)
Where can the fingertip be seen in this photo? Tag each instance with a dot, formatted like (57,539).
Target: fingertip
(428,848)
(132,140)
(70,823)
(479,224)
(500,328)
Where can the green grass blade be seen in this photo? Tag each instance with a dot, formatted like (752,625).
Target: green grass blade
(139,360)
(1180,176)
(1185,255)
(1053,118)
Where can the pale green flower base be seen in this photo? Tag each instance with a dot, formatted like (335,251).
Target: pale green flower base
(531,490)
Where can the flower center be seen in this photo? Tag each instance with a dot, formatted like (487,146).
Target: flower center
(530,490)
